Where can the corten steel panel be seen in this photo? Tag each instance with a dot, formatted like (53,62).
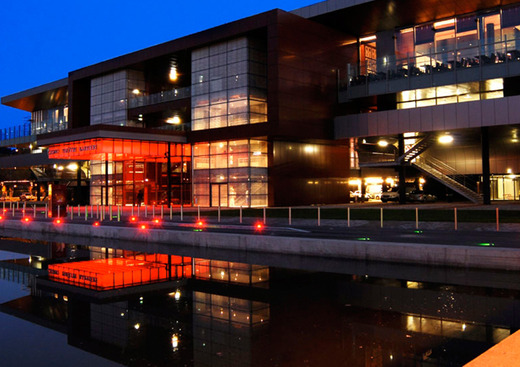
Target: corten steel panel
(445,117)
(514,109)
(79,103)
(302,174)
(462,117)
(501,111)
(488,112)
(302,61)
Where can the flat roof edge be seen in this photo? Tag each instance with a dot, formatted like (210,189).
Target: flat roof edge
(36,90)
(326,6)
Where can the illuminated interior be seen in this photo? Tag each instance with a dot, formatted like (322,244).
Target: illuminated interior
(132,172)
(230,173)
(456,93)
(229,84)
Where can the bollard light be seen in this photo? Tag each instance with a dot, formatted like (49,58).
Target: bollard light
(96,224)
(259,226)
(26,219)
(133,219)
(143,227)
(58,221)
(157,221)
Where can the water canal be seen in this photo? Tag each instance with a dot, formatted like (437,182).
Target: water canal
(104,306)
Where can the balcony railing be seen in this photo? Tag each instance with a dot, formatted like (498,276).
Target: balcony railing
(459,59)
(161,97)
(15,132)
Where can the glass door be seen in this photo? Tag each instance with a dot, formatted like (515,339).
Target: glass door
(219,195)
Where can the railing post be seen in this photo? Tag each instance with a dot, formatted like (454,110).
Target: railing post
(182,214)
(59,206)
(162,211)
(348,217)
(319,216)
(416,218)
(290,215)
(34,210)
(381,217)
(218,214)
(171,211)
(264,214)
(240,214)
(455,217)
(198,212)
(498,221)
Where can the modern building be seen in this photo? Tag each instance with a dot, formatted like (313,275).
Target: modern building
(294,108)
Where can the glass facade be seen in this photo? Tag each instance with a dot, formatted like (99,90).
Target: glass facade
(456,93)
(230,173)
(109,97)
(141,178)
(467,41)
(228,84)
(46,121)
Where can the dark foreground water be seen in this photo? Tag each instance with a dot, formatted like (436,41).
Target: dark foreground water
(217,312)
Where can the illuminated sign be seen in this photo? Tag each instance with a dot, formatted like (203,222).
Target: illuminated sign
(116,149)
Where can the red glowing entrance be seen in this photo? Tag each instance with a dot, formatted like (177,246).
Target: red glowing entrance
(132,172)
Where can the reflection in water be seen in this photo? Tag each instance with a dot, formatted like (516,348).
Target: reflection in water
(208,312)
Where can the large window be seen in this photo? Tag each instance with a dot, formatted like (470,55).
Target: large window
(229,84)
(230,173)
(46,121)
(456,93)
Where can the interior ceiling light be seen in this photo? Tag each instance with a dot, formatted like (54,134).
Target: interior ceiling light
(445,139)
(382,143)
(174,75)
(369,38)
(175,120)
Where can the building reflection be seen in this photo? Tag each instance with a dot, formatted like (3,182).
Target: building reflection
(209,312)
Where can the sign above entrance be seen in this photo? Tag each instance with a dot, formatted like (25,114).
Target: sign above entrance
(116,149)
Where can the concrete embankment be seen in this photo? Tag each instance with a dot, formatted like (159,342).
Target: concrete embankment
(426,254)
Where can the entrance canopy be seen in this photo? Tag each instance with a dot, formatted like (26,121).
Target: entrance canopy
(116,149)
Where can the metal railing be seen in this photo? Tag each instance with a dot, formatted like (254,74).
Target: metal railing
(392,67)
(161,97)
(14,132)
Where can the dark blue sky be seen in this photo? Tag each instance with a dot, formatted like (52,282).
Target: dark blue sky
(41,41)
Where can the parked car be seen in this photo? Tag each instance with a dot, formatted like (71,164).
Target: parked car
(393,194)
(421,196)
(27,196)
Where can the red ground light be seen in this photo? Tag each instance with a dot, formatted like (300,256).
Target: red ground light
(96,224)
(58,221)
(133,219)
(26,219)
(259,226)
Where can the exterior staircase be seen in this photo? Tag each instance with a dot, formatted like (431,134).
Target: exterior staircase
(448,176)
(412,153)
(433,167)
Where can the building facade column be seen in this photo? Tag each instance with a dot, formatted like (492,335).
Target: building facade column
(486,174)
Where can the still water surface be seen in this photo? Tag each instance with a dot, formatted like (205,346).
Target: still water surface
(216,312)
